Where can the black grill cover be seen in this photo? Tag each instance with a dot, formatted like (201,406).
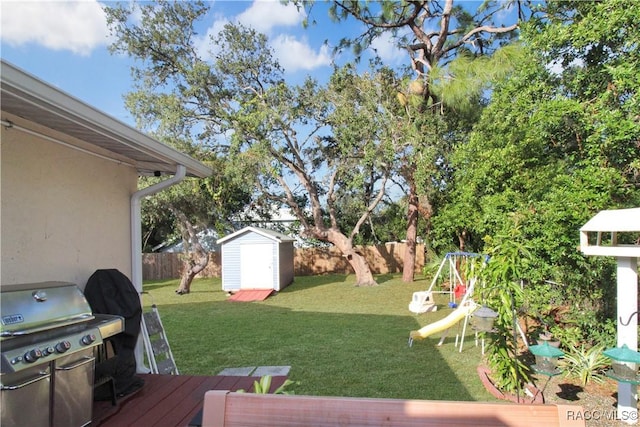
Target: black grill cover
(109,291)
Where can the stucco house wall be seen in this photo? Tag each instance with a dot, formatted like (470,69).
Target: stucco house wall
(64,213)
(68,184)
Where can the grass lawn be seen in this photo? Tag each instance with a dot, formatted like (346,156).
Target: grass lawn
(340,340)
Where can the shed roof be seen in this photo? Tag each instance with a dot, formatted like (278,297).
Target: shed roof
(270,234)
(28,97)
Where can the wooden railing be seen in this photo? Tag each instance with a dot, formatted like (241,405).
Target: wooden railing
(227,409)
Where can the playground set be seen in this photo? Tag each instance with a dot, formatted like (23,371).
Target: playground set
(458,290)
(423,302)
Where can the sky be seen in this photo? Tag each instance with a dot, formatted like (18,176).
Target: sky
(65,43)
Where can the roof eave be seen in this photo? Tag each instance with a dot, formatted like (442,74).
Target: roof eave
(39,94)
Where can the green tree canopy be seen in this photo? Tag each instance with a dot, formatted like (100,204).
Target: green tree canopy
(442,39)
(558,143)
(314,149)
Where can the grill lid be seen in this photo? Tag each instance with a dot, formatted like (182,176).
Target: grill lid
(34,307)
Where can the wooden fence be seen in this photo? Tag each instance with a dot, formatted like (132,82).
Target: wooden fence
(387,258)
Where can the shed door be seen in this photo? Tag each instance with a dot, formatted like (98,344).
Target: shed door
(256,266)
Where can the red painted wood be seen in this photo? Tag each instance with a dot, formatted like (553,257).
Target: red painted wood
(246,295)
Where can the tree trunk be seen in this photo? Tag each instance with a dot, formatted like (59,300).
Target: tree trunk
(194,264)
(462,238)
(409,265)
(332,234)
(364,276)
(195,257)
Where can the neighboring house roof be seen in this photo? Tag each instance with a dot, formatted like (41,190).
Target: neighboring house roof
(273,235)
(207,239)
(28,97)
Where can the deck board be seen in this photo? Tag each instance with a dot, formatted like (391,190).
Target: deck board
(190,406)
(167,400)
(148,400)
(171,406)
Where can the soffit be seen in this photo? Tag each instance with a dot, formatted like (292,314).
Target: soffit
(27,97)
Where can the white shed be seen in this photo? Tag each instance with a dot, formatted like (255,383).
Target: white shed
(256,258)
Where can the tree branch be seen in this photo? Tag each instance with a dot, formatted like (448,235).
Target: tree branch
(370,208)
(357,14)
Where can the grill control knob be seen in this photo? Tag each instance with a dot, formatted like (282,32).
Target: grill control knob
(63,346)
(88,339)
(32,355)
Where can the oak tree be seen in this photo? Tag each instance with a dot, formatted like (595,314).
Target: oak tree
(433,33)
(288,142)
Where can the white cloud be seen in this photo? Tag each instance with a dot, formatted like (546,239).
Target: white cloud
(295,55)
(267,17)
(264,15)
(203,44)
(77,26)
(387,49)
(506,14)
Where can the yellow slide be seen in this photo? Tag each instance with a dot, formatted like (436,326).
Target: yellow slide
(452,318)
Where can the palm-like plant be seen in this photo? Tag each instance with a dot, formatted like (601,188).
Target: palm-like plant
(264,385)
(585,364)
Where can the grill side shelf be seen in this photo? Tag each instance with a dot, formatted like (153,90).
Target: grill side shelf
(108,324)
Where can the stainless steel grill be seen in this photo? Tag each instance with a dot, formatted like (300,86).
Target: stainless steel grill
(47,356)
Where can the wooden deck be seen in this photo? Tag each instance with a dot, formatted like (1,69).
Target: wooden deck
(168,400)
